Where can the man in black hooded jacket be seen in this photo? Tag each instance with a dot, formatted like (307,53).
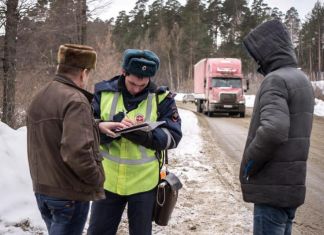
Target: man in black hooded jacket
(273,168)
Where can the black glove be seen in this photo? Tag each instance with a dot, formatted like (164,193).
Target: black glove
(248,169)
(140,137)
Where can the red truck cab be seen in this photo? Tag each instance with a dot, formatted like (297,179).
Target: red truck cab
(218,86)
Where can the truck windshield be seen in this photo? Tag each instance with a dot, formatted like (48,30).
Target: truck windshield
(226,82)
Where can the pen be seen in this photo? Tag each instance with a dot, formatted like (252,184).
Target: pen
(125,114)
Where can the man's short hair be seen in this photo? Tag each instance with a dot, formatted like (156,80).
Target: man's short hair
(66,69)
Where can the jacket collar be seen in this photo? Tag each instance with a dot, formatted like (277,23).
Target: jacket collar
(117,84)
(62,79)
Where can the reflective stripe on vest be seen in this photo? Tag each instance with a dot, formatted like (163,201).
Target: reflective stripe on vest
(171,142)
(119,160)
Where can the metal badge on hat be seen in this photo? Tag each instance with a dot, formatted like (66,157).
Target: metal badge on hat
(144,67)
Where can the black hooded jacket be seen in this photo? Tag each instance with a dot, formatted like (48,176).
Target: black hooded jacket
(279,135)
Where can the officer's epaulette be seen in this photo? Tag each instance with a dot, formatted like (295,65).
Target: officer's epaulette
(161,89)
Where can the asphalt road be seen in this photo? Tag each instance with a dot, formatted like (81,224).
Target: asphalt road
(231,132)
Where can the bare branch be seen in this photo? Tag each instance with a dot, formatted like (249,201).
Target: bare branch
(25,6)
(97,7)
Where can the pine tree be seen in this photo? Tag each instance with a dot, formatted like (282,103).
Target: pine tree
(172,13)
(121,31)
(292,23)
(196,43)
(232,28)
(138,22)
(260,12)
(155,18)
(277,14)
(233,14)
(214,20)
(311,42)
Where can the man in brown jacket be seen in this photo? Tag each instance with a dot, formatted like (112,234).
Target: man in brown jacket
(63,144)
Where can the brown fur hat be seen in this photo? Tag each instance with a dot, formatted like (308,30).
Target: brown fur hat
(78,56)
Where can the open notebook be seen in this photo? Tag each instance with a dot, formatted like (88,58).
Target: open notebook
(145,126)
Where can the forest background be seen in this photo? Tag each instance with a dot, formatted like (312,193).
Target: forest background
(32,30)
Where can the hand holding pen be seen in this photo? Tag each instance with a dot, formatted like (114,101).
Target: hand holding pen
(127,121)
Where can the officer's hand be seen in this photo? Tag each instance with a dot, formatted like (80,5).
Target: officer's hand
(127,122)
(108,128)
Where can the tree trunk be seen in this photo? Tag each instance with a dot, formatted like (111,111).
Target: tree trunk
(319,52)
(9,63)
(81,21)
(178,75)
(310,63)
(170,71)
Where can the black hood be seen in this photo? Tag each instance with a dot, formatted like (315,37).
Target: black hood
(271,47)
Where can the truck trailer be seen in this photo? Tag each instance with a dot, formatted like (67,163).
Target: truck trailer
(218,86)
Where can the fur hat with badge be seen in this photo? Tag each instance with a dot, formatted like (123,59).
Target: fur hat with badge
(142,63)
(78,56)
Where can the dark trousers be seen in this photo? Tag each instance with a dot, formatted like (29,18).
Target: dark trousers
(106,214)
(62,217)
(269,220)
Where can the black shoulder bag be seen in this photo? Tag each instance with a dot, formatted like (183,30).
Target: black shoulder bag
(167,191)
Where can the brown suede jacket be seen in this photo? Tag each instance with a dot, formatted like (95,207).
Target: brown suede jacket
(63,143)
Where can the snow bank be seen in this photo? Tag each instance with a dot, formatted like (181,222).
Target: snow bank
(249,100)
(17,198)
(319,107)
(190,145)
(319,85)
(179,96)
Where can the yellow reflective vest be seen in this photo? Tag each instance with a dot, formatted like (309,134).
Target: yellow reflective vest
(129,168)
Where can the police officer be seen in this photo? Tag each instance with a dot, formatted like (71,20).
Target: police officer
(130,162)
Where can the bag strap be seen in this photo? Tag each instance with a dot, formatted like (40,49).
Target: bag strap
(157,105)
(162,155)
(159,154)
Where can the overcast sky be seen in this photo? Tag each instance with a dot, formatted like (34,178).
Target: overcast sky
(303,6)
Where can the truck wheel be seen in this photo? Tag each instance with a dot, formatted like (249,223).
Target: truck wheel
(208,113)
(199,108)
(242,114)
